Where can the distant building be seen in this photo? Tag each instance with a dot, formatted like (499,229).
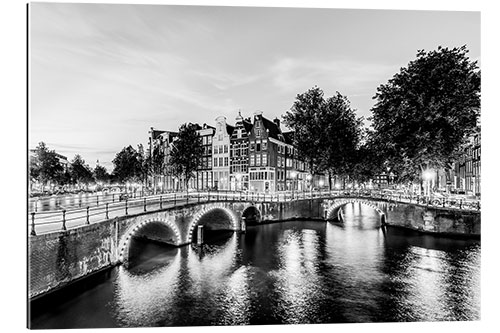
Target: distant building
(204,176)
(221,144)
(162,140)
(239,154)
(267,155)
(467,172)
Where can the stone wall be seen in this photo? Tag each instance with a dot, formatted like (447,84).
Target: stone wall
(58,258)
(432,219)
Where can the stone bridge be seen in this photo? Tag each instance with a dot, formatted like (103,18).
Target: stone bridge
(58,258)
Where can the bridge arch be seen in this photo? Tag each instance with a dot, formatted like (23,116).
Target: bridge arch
(252,214)
(207,209)
(334,212)
(136,228)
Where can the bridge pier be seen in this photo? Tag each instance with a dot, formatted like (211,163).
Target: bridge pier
(199,238)
(243,225)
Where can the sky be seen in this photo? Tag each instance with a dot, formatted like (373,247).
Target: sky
(102,75)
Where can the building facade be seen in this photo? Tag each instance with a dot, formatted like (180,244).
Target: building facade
(221,144)
(204,176)
(238,175)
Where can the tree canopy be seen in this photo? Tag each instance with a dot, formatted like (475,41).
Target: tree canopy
(80,172)
(127,165)
(424,113)
(45,166)
(327,132)
(186,152)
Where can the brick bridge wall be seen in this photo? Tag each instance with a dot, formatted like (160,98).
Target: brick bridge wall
(58,258)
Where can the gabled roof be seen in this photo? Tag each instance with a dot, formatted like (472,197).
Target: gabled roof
(273,130)
(247,124)
(230,129)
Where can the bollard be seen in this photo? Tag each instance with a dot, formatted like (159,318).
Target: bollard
(33,233)
(144,204)
(107,213)
(64,219)
(175,198)
(199,239)
(97,199)
(88,220)
(126,207)
(161,204)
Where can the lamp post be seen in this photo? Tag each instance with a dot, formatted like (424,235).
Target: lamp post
(427,177)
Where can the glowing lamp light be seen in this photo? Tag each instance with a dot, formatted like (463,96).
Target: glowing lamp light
(309,177)
(293,174)
(427,174)
(321,183)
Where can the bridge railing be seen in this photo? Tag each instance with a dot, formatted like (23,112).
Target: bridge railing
(71,217)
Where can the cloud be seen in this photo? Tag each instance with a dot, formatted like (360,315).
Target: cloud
(294,74)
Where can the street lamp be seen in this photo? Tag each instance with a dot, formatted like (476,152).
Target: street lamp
(427,176)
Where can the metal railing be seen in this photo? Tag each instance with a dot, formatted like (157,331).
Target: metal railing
(71,217)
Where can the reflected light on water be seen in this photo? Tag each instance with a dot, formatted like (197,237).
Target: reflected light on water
(297,281)
(142,299)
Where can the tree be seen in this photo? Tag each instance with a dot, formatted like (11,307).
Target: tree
(80,172)
(304,118)
(45,166)
(327,132)
(186,153)
(101,174)
(340,136)
(425,112)
(127,165)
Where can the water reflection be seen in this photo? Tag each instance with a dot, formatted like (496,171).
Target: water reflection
(298,284)
(141,300)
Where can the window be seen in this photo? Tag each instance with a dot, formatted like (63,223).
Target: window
(258,147)
(226,161)
(252,146)
(257,132)
(264,145)
(209,141)
(257,124)
(257,160)
(264,159)
(221,160)
(215,161)
(225,149)
(252,160)
(209,163)
(279,161)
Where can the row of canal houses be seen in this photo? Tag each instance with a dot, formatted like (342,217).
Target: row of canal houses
(255,156)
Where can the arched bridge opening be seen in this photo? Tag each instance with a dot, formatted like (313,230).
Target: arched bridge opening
(251,215)
(334,213)
(160,232)
(212,223)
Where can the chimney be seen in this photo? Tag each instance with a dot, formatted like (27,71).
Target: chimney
(277,122)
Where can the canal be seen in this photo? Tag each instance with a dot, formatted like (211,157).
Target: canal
(284,273)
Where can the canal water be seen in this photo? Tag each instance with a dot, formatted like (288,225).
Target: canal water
(285,273)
